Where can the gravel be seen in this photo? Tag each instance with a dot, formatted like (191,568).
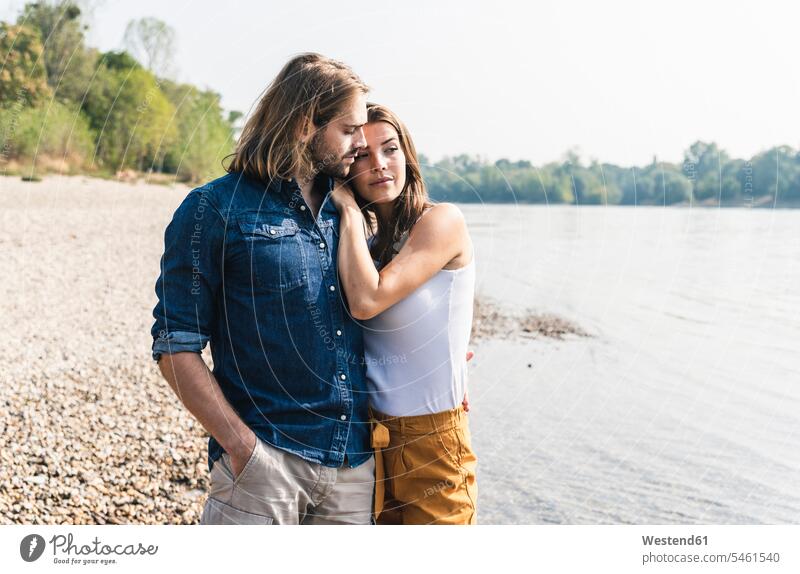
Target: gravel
(91,434)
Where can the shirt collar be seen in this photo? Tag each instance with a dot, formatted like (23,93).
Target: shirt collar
(321,179)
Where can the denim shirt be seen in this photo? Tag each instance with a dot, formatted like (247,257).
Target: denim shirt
(247,268)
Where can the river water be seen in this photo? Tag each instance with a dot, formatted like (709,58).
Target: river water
(684,405)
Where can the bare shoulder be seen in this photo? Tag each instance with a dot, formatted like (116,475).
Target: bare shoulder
(444,229)
(442,218)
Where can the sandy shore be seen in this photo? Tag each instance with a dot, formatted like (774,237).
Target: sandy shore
(90,432)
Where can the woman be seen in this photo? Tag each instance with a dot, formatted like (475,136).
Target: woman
(408,272)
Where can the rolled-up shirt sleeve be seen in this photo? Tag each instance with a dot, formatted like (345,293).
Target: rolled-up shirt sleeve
(190,279)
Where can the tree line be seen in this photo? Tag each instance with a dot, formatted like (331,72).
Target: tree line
(67,107)
(707,176)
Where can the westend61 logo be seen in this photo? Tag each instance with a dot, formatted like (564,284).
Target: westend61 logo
(65,551)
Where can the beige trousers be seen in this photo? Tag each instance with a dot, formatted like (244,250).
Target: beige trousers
(278,487)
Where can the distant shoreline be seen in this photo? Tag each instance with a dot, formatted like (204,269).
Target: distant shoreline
(171,181)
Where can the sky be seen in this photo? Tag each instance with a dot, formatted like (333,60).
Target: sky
(617,81)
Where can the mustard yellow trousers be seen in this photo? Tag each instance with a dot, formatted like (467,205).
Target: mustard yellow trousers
(425,469)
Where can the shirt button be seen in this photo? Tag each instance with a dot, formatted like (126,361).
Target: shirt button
(302,208)
(272,232)
(322,245)
(333,288)
(343,376)
(343,417)
(338,332)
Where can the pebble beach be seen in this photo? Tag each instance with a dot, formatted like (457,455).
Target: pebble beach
(91,434)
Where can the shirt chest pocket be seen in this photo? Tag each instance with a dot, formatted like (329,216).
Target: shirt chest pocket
(276,258)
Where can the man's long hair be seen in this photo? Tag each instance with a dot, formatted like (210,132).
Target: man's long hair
(310,91)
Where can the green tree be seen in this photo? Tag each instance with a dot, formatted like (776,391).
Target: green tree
(203,136)
(776,174)
(703,164)
(671,186)
(22,76)
(55,134)
(68,64)
(131,115)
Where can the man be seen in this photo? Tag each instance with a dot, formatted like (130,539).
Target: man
(250,265)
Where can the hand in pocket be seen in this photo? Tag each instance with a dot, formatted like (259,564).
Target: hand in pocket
(239,461)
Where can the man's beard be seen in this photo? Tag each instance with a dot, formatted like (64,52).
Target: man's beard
(326,160)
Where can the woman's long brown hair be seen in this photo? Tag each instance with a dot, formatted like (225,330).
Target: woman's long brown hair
(412,201)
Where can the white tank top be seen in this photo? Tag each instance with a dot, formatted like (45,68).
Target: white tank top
(415,351)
